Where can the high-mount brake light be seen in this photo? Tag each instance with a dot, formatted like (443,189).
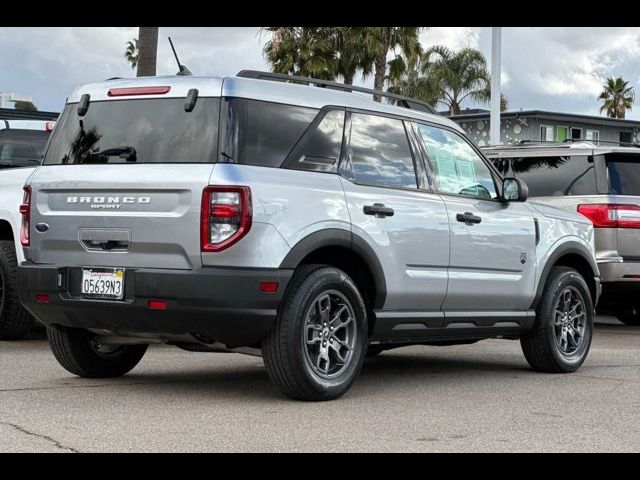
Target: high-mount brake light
(611,215)
(131,91)
(225,217)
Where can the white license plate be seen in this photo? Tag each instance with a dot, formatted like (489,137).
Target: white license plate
(103,283)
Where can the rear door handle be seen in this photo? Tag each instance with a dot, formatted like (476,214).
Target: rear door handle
(378,209)
(468,217)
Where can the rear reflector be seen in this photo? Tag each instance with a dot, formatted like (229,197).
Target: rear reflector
(124,92)
(269,287)
(42,298)
(611,215)
(157,304)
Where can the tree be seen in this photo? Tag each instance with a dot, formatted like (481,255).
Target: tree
(25,106)
(131,53)
(351,57)
(504,103)
(147,51)
(379,41)
(462,74)
(304,51)
(408,79)
(617,97)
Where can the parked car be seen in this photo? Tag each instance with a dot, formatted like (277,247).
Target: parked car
(307,225)
(22,144)
(602,182)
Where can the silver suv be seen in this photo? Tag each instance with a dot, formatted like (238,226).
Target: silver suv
(602,182)
(305,223)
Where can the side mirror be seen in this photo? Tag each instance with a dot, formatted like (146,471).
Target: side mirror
(514,190)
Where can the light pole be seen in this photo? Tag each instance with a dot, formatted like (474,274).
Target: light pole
(494,119)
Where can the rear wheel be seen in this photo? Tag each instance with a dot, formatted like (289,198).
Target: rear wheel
(79,353)
(15,321)
(628,314)
(318,344)
(561,336)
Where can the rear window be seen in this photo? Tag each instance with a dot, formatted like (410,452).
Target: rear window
(141,131)
(555,176)
(624,174)
(21,148)
(262,133)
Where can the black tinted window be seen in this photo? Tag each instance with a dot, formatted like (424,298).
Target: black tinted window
(321,149)
(21,148)
(271,130)
(158,130)
(379,152)
(624,174)
(556,176)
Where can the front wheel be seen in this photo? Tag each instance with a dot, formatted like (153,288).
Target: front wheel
(318,344)
(561,336)
(79,353)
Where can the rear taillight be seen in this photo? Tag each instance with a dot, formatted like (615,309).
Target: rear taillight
(25,211)
(611,215)
(48,127)
(226,216)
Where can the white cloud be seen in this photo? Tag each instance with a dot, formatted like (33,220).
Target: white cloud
(451,37)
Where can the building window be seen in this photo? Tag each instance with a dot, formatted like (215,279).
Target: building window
(562,133)
(576,133)
(625,137)
(546,133)
(593,135)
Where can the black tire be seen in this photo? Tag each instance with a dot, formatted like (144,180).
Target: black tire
(628,314)
(540,346)
(15,321)
(285,352)
(78,354)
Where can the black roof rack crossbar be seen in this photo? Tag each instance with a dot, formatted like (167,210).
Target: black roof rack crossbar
(407,102)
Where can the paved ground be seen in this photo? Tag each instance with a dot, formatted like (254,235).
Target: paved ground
(478,397)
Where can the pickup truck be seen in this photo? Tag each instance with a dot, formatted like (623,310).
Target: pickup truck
(22,145)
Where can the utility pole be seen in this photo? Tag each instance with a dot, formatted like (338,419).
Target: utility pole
(494,119)
(147,51)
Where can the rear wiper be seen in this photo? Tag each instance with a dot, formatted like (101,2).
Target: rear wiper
(126,152)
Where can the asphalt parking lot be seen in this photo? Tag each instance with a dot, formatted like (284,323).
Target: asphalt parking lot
(480,397)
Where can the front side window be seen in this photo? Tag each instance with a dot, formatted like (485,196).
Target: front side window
(556,176)
(458,169)
(379,152)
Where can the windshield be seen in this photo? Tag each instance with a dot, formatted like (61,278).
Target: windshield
(624,173)
(21,148)
(137,131)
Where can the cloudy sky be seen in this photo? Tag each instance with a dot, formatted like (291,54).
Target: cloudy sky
(550,68)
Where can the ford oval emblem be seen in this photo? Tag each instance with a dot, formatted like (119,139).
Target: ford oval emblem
(42,227)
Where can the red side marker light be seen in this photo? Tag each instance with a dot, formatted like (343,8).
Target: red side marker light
(157,304)
(269,287)
(42,298)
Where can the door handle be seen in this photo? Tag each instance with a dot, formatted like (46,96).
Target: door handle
(378,209)
(468,217)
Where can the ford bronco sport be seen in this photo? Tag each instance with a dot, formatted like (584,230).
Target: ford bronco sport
(305,223)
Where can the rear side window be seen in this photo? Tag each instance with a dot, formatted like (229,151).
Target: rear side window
(157,130)
(319,149)
(21,148)
(379,152)
(262,133)
(624,174)
(556,176)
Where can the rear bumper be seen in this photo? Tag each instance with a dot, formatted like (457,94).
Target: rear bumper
(619,272)
(223,304)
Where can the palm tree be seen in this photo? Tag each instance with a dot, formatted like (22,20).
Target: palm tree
(131,53)
(617,96)
(407,78)
(147,51)
(379,41)
(462,74)
(305,51)
(350,56)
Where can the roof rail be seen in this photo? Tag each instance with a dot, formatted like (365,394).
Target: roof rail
(407,102)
